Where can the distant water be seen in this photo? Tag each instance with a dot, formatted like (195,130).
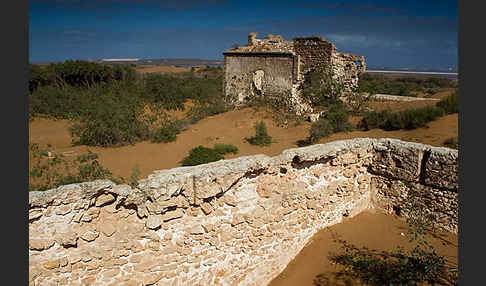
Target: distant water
(413,72)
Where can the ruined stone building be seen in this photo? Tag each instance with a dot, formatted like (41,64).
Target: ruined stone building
(274,66)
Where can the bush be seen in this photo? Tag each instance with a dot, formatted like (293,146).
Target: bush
(337,115)
(165,90)
(406,119)
(167,133)
(49,172)
(402,85)
(113,119)
(261,137)
(320,129)
(201,155)
(449,104)
(77,73)
(223,148)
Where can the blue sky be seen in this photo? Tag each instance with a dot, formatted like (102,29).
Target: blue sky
(387,33)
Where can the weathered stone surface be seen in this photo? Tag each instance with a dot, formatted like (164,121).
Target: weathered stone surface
(69,239)
(398,160)
(197,229)
(105,199)
(206,208)
(248,235)
(441,168)
(108,228)
(154,221)
(89,235)
(40,244)
(178,213)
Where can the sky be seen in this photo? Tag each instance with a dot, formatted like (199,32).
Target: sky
(387,33)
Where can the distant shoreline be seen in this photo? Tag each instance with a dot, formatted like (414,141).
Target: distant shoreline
(412,72)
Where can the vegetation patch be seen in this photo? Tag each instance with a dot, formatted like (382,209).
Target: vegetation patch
(261,137)
(223,148)
(201,155)
(403,86)
(110,106)
(409,118)
(420,265)
(52,170)
(406,119)
(450,104)
(335,119)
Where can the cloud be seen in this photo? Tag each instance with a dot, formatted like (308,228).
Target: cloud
(160,4)
(373,8)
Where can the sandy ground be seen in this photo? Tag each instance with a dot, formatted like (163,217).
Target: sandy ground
(230,127)
(162,69)
(375,231)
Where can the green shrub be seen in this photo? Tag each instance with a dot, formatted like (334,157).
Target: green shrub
(223,148)
(167,133)
(320,129)
(166,90)
(420,266)
(337,115)
(77,73)
(201,155)
(51,172)
(406,119)
(402,85)
(261,137)
(113,119)
(450,104)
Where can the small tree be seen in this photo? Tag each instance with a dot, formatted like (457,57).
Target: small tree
(261,138)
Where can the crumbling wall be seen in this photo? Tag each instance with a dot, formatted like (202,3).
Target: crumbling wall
(315,54)
(348,67)
(307,54)
(231,222)
(249,75)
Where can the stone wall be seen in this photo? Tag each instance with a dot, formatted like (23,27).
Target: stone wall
(231,222)
(314,54)
(249,75)
(284,65)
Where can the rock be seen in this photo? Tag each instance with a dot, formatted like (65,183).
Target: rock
(52,264)
(153,245)
(151,279)
(104,199)
(63,210)
(206,208)
(107,228)
(89,236)
(34,214)
(170,215)
(197,229)
(69,239)
(154,222)
(40,244)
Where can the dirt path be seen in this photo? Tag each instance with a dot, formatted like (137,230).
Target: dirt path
(231,127)
(373,230)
